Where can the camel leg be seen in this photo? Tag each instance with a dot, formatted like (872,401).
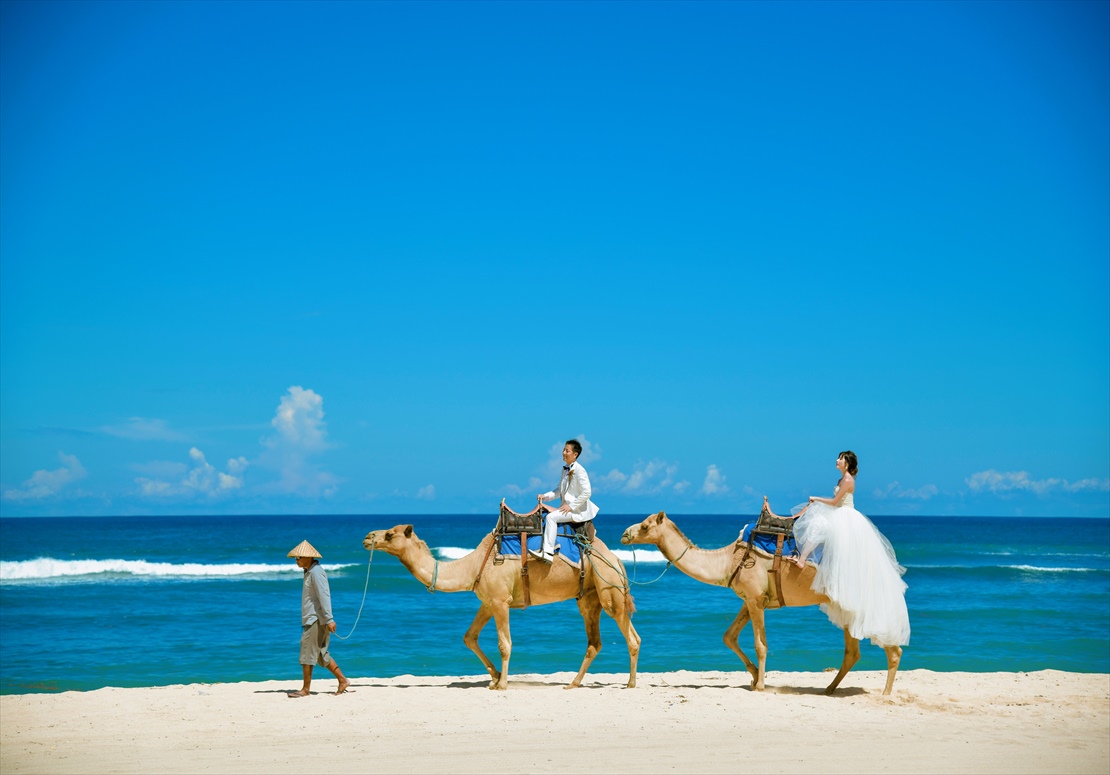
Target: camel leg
(851,656)
(893,658)
(471,641)
(504,644)
(590,608)
(732,639)
(759,633)
(615,602)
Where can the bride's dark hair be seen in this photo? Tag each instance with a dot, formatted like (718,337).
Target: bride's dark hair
(852,461)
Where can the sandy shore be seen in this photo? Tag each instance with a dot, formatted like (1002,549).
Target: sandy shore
(1041,722)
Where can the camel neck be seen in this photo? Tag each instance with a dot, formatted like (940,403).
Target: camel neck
(710,566)
(452,576)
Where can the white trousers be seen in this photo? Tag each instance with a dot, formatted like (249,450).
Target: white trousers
(551,523)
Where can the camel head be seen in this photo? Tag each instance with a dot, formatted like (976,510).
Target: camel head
(647,532)
(392,541)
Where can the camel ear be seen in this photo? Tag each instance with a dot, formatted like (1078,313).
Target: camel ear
(408,531)
(660,517)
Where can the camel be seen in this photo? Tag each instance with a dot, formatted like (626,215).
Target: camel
(499,586)
(750,583)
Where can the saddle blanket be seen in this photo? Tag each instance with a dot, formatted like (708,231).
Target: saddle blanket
(767,543)
(510,546)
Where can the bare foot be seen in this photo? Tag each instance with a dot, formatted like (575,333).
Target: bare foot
(300,693)
(799,562)
(342,687)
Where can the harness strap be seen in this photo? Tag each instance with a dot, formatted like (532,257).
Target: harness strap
(739,565)
(773,576)
(524,568)
(485,559)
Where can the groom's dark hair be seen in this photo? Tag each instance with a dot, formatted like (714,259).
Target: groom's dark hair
(573,444)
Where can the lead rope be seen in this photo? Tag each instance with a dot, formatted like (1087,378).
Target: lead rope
(364,590)
(435,575)
(669,564)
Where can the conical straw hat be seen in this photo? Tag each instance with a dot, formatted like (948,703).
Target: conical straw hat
(304,549)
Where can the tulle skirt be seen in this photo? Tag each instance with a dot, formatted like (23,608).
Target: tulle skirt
(858,571)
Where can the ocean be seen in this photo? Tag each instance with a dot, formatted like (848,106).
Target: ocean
(151,601)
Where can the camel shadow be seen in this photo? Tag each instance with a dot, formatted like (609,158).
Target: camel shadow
(350,689)
(815,691)
(532,684)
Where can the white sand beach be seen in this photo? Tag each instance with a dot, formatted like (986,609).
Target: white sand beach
(686,722)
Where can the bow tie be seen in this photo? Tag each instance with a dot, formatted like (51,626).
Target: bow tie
(566,468)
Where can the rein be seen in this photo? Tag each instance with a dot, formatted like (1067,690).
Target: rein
(669,564)
(435,575)
(364,590)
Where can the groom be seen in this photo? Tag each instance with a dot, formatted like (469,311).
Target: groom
(574,500)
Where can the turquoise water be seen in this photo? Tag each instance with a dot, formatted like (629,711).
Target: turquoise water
(144,601)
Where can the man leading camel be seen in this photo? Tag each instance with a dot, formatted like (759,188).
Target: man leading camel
(317,623)
(574,500)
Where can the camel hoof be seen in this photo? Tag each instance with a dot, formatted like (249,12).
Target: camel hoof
(571,685)
(631,684)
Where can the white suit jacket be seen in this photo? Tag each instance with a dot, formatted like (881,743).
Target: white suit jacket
(574,491)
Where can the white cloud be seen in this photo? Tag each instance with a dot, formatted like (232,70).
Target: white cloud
(43,484)
(300,421)
(301,434)
(647,478)
(1088,484)
(426,493)
(201,479)
(896,490)
(1019,481)
(613,480)
(714,482)
(142,429)
(534,487)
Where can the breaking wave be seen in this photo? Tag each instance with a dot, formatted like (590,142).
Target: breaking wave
(50,568)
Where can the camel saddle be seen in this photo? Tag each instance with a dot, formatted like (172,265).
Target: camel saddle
(518,527)
(769,534)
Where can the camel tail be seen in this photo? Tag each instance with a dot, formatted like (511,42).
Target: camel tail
(631,602)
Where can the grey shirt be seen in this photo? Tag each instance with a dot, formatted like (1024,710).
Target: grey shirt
(316,596)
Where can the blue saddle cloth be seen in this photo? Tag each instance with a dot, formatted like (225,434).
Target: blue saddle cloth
(767,543)
(510,544)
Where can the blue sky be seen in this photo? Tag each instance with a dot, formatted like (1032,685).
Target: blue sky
(384,258)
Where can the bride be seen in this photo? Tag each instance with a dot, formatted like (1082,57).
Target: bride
(856,565)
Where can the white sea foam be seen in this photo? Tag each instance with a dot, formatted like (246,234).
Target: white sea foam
(642,555)
(1027,568)
(451,552)
(1037,569)
(50,568)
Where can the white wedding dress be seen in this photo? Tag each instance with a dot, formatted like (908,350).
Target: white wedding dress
(857,570)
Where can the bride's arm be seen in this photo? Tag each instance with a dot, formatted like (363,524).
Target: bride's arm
(847,485)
